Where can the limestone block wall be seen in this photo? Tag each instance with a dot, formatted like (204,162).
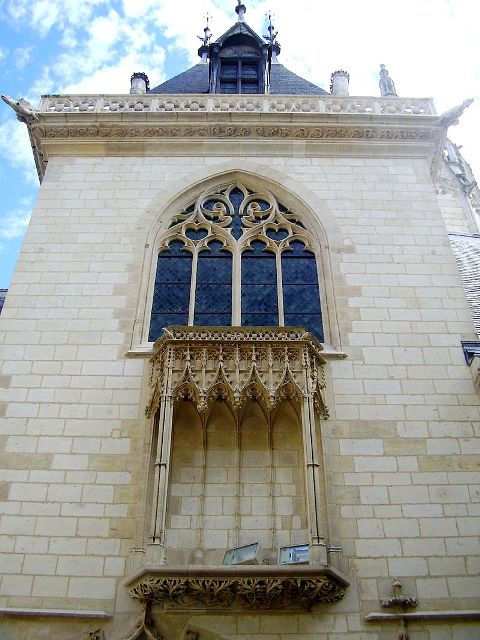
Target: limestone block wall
(401,444)
(232,488)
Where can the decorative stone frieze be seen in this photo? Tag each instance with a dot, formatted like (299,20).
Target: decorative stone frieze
(238,587)
(332,132)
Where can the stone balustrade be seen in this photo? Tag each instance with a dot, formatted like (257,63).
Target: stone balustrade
(236,104)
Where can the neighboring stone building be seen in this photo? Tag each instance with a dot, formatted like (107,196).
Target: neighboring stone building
(3,293)
(235,399)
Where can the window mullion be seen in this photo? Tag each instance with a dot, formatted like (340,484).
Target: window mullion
(193,286)
(281,316)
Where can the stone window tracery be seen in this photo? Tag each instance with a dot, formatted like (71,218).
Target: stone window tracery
(235,257)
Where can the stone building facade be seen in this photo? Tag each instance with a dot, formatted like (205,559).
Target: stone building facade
(138,452)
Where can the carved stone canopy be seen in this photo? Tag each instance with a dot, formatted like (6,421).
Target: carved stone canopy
(236,365)
(237,587)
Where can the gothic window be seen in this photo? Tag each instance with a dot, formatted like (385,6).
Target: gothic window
(238,258)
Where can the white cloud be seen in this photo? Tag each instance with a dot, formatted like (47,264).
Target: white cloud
(16,149)
(13,225)
(115,79)
(42,15)
(22,56)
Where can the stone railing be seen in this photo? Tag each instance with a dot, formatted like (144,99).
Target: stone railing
(188,103)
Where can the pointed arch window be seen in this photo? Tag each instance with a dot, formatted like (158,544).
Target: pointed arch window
(235,257)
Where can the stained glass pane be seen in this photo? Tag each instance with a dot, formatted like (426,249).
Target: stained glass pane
(213,295)
(196,234)
(171,294)
(259,287)
(301,296)
(236,198)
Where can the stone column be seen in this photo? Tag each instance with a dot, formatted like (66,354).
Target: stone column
(156,547)
(318,552)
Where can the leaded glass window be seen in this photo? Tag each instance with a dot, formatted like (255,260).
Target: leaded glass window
(235,257)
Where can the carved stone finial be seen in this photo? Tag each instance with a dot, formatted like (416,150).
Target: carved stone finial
(207,35)
(271,36)
(339,81)
(240,10)
(139,82)
(386,84)
(451,117)
(24,110)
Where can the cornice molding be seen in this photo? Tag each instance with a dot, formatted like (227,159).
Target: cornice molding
(110,124)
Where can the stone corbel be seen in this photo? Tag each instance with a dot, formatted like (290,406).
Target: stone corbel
(144,628)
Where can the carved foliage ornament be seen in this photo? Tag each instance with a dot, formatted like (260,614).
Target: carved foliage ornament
(277,592)
(103,131)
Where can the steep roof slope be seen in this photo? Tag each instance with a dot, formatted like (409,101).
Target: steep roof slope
(195,80)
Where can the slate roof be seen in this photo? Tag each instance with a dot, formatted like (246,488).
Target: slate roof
(194,80)
(3,293)
(282,81)
(467,254)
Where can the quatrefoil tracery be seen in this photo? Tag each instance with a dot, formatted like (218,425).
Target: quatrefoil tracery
(220,216)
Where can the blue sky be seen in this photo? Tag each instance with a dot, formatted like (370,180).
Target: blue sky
(92,46)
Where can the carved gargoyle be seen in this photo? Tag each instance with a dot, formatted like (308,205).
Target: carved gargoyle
(24,110)
(451,117)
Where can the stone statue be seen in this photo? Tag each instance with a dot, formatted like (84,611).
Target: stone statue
(24,110)
(386,84)
(451,117)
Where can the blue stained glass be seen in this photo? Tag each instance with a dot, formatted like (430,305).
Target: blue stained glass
(236,198)
(301,296)
(196,234)
(260,320)
(259,286)
(277,234)
(213,294)
(213,319)
(171,294)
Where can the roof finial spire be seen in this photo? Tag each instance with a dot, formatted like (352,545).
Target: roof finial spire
(272,34)
(240,10)
(203,51)
(271,37)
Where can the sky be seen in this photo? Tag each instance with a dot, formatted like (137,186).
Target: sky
(430,48)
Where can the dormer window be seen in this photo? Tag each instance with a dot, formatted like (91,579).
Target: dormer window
(239,76)
(239,62)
